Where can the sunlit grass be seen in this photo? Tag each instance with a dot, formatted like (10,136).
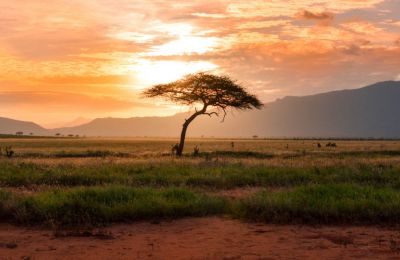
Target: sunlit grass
(98,181)
(211,175)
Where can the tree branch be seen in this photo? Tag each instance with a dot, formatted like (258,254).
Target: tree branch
(223,118)
(211,113)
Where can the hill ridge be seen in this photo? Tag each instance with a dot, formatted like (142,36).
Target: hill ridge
(365,112)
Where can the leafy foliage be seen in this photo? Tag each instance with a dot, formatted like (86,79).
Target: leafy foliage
(208,89)
(213,91)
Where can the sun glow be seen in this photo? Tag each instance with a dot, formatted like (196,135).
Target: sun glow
(185,45)
(100,54)
(148,73)
(155,66)
(187,41)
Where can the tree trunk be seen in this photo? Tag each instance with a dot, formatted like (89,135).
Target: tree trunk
(179,151)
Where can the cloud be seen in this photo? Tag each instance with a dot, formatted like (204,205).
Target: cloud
(87,79)
(64,101)
(69,57)
(315,15)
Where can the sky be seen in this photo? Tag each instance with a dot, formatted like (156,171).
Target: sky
(67,59)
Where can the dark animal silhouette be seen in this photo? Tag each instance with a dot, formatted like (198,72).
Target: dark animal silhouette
(196,151)
(174,148)
(331,144)
(9,151)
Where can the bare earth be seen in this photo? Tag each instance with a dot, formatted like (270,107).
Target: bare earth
(202,238)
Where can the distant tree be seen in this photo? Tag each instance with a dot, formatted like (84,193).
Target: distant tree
(209,91)
(58,134)
(19,133)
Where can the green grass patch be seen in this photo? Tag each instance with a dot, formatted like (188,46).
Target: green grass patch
(324,204)
(318,204)
(6,199)
(209,175)
(73,154)
(101,205)
(367,154)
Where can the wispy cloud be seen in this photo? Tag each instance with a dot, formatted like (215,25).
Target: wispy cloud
(315,15)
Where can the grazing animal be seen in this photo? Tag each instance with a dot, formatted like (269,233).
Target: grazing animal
(9,152)
(319,145)
(331,144)
(174,149)
(196,151)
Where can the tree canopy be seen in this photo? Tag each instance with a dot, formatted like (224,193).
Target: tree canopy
(212,91)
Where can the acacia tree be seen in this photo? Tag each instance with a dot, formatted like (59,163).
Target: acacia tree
(216,94)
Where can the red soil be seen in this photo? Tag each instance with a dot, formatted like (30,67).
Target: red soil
(203,238)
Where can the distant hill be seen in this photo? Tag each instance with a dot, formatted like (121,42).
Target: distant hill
(10,126)
(78,121)
(372,111)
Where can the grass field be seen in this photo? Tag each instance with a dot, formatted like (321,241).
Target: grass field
(85,181)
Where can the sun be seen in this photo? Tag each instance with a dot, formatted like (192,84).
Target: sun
(162,63)
(185,45)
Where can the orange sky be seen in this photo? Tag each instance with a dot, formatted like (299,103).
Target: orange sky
(64,59)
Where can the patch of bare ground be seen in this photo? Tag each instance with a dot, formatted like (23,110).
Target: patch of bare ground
(31,189)
(201,238)
(244,192)
(236,193)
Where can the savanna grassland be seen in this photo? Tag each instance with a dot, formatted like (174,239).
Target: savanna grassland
(93,181)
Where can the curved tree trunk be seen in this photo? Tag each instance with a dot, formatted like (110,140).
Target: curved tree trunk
(179,151)
(185,126)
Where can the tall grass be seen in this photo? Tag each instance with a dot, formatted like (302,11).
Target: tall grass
(97,181)
(324,204)
(99,205)
(204,175)
(319,204)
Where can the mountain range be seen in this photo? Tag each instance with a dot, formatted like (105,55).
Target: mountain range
(369,112)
